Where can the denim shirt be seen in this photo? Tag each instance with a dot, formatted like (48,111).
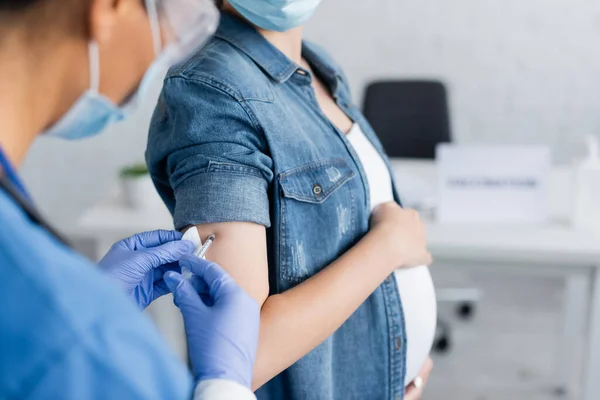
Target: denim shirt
(238,135)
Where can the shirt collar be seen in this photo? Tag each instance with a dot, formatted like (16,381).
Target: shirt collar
(326,71)
(276,64)
(243,36)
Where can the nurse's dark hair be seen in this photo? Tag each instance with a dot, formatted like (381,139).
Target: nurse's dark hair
(15,5)
(43,17)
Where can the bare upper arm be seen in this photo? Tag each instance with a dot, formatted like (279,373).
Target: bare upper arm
(241,249)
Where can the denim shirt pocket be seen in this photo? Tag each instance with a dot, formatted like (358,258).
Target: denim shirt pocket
(318,216)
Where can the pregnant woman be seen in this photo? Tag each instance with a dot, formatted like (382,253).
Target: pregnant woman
(256,140)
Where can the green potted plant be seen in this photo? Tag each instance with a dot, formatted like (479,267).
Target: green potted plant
(137,187)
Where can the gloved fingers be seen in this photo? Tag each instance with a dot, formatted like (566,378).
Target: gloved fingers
(160,289)
(159,285)
(151,239)
(169,252)
(159,272)
(203,290)
(216,278)
(200,285)
(184,294)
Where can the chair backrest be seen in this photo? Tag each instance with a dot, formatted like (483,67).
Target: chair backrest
(409,117)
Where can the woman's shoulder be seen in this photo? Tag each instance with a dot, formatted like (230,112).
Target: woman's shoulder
(221,65)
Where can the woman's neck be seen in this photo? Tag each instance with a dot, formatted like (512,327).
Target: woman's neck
(289,43)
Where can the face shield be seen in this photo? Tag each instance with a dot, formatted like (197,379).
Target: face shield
(179,27)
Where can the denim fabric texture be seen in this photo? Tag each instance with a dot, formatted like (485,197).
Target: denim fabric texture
(238,135)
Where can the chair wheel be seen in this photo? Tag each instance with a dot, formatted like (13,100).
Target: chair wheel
(560,391)
(441,341)
(466,310)
(442,345)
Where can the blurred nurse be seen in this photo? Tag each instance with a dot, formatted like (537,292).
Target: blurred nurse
(69,68)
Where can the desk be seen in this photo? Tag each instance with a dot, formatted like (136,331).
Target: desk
(551,249)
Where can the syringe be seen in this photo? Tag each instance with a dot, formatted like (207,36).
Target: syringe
(201,252)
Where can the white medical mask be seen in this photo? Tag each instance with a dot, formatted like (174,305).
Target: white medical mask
(276,15)
(190,23)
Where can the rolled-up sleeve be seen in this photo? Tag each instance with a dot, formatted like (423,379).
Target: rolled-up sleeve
(207,155)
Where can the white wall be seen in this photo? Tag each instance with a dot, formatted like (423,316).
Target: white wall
(520,71)
(67,177)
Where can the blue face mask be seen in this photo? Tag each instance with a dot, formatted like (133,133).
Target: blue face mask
(93,112)
(276,15)
(189,23)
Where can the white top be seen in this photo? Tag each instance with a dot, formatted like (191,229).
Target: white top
(415,285)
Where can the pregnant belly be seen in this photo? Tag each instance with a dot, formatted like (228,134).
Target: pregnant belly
(417,293)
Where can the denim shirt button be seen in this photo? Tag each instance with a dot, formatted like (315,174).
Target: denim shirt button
(317,189)
(398,343)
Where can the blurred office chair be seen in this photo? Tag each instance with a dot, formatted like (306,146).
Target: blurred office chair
(411,118)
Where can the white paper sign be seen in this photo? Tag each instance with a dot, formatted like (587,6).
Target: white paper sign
(493,184)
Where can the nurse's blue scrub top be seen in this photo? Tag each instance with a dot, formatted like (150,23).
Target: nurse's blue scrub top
(66,332)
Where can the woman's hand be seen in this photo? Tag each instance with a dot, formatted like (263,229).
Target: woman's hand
(404,233)
(414,391)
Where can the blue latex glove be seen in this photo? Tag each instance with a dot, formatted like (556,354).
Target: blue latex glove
(139,262)
(221,325)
